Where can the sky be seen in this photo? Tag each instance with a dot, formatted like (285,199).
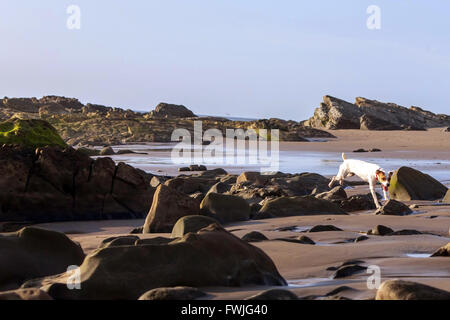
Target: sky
(248,58)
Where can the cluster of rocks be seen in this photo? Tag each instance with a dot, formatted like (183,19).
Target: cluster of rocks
(367,114)
(96,125)
(128,268)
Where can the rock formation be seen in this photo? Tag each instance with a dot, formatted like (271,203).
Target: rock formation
(367,114)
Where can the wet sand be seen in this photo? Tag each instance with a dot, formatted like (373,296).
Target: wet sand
(305,266)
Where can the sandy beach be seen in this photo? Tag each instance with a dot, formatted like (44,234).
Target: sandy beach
(305,266)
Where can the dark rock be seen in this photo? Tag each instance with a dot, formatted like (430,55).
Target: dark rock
(57,184)
(322,228)
(137,230)
(175,293)
(107,151)
(211,257)
(442,252)
(360,150)
(182,169)
(337,193)
(118,241)
(168,206)
(25,294)
(253,178)
(357,202)
(298,206)
(372,123)
(166,110)
(394,208)
(361,238)
(157,180)
(191,224)
(305,240)
(348,270)
(346,263)
(380,230)
(254,236)
(410,184)
(32,253)
(153,241)
(220,187)
(375,150)
(405,232)
(274,294)
(225,208)
(190,184)
(407,290)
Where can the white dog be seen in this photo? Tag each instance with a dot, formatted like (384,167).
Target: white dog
(368,172)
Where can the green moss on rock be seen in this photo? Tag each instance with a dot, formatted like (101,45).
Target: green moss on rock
(31,133)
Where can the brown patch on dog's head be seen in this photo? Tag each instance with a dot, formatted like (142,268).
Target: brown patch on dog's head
(390,176)
(381,176)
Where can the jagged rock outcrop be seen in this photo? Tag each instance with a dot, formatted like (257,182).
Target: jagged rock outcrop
(56,184)
(367,114)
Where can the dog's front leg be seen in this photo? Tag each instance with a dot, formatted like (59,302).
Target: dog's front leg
(374,195)
(330,185)
(386,197)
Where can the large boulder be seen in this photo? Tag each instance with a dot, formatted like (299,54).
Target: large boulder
(55,184)
(31,133)
(168,206)
(225,208)
(407,290)
(167,110)
(191,224)
(299,206)
(410,184)
(31,253)
(211,257)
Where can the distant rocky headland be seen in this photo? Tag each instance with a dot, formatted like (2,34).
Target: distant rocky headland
(96,125)
(93,124)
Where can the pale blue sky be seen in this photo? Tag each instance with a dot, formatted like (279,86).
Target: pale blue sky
(252,58)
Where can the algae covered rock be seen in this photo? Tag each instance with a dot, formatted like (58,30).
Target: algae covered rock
(410,184)
(31,133)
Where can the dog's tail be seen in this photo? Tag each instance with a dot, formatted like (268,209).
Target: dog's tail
(344,157)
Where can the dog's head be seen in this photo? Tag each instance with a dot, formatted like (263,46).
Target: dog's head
(383,179)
